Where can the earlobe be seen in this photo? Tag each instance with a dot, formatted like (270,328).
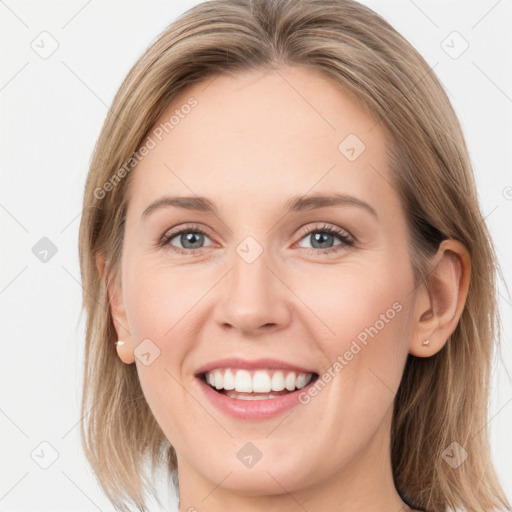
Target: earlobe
(441,300)
(125,352)
(117,311)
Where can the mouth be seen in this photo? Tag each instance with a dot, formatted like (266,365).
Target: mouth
(253,390)
(256,384)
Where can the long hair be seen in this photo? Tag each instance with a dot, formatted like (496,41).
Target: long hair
(441,399)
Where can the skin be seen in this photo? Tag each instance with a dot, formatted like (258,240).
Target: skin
(254,140)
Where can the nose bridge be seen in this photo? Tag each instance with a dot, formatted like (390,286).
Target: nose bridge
(253,297)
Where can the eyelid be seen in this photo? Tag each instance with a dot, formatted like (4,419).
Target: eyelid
(172,233)
(326,227)
(347,240)
(185,227)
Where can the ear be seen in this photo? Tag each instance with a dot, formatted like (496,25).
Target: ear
(441,298)
(117,311)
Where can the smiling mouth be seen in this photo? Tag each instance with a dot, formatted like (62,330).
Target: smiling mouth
(256,385)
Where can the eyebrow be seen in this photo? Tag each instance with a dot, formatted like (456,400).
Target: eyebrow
(295,204)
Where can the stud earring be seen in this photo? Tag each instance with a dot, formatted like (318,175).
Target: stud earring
(119,342)
(426,342)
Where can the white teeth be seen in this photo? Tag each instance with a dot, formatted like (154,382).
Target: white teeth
(278,381)
(301,380)
(261,381)
(243,381)
(250,397)
(290,381)
(229,380)
(219,379)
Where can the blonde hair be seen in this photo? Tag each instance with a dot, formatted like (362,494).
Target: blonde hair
(442,398)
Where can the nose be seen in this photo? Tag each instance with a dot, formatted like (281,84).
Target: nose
(254,298)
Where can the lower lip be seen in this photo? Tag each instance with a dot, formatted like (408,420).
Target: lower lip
(252,409)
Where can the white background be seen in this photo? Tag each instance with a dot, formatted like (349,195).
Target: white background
(51,114)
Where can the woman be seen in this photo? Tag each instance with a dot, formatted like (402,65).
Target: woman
(348,374)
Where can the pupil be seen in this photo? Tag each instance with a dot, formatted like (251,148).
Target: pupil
(189,238)
(320,237)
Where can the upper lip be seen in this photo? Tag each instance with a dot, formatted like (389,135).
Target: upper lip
(253,364)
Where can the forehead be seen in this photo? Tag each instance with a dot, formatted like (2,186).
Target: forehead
(264,134)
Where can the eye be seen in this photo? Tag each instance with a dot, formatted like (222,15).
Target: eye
(190,238)
(321,238)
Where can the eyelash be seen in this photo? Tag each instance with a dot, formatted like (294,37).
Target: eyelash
(331,230)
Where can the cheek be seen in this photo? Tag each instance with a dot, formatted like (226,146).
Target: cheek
(159,300)
(159,306)
(356,302)
(363,315)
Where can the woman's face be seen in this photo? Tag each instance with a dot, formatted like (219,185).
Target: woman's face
(266,272)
